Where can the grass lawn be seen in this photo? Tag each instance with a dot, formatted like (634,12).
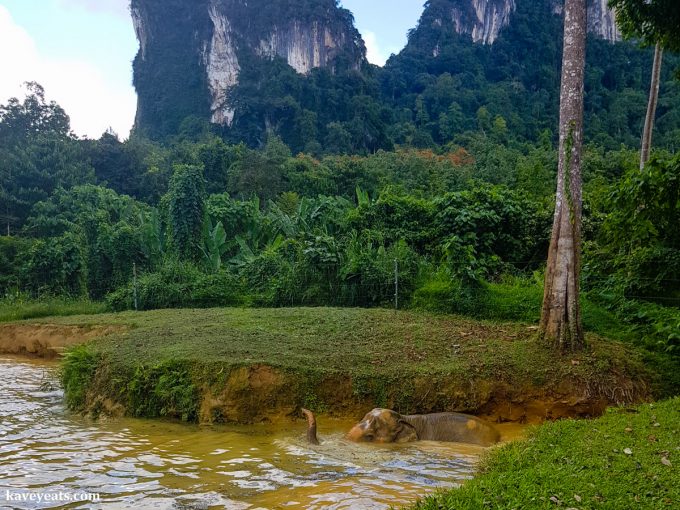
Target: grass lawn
(629,458)
(332,359)
(357,341)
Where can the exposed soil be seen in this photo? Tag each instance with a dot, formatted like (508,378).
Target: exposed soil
(264,394)
(47,340)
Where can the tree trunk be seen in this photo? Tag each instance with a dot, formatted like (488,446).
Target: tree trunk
(561,316)
(651,107)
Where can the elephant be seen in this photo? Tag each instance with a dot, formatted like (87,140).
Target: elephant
(387,426)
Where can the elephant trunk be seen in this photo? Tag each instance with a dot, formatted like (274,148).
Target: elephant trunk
(311,426)
(355,434)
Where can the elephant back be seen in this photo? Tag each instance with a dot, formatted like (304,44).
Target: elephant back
(454,427)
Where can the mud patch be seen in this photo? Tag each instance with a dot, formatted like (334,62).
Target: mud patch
(262,393)
(47,340)
(251,394)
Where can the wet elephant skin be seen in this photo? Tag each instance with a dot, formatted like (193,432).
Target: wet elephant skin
(387,426)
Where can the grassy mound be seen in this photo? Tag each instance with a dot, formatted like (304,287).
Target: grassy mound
(250,365)
(629,458)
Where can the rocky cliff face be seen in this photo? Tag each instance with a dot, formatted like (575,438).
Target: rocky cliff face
(196,57)
(602,21)
(481,19)
(304,42)
(212,41)
(484,19)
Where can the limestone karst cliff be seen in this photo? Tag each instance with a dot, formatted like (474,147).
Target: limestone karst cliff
(602,21)
(484,19)
(196,55)
(192,52)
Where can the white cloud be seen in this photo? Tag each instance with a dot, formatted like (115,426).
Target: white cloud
(93,104)
(374,52)
(119,7)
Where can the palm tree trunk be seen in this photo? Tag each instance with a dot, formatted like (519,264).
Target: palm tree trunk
(651,107)
(561,316)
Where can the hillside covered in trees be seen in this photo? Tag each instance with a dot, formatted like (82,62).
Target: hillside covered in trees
(270,76)
(428,183)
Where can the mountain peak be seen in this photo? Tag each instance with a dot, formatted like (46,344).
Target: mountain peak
(192,52)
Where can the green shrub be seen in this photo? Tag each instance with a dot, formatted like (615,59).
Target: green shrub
(164,390)
(486,226)
(393,218)
(367,273)
(56,266)
(11,254)
(77,370)
(178,285)
(638,252)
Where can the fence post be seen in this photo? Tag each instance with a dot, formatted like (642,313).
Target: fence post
(134,283)
(396,284)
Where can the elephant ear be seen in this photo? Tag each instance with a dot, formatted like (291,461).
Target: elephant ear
(405,432)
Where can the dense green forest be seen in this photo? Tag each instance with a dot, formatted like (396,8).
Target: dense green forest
(440,88)
(207,223)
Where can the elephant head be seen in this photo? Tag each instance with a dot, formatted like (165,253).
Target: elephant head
(383,426)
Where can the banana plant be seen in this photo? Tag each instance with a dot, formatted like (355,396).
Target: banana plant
(214,244)
(249,253)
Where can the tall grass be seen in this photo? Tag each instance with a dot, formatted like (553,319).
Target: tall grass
(15,308)
(513,299)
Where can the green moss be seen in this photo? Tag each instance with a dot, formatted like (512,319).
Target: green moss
(615,462)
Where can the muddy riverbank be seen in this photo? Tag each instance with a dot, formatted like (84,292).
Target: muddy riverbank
(47,341)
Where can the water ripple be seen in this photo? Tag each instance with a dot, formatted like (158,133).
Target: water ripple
(158,465)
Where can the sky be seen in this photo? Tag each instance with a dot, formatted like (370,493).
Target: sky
(81,52)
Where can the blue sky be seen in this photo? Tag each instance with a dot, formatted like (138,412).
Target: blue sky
(81,51)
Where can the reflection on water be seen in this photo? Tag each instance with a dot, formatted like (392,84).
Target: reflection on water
(158,465)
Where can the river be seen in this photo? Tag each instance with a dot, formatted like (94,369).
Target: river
(133,463)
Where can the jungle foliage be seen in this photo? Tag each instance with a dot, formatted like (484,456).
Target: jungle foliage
(438,90)
(462,221)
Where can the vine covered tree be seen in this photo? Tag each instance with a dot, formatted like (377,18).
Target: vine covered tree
(186,209)
(561,315)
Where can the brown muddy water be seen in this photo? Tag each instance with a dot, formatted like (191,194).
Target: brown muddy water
(158,465)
